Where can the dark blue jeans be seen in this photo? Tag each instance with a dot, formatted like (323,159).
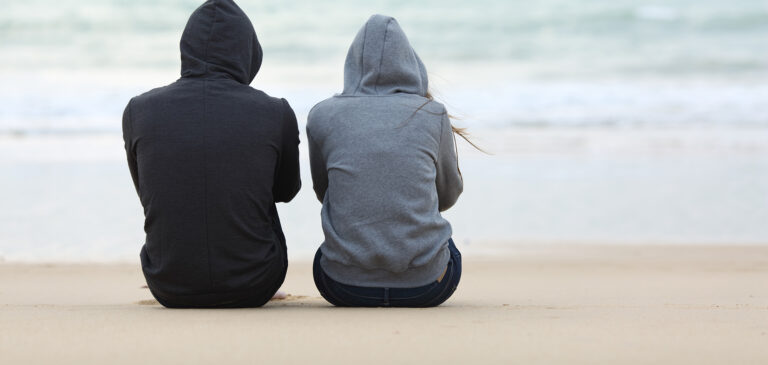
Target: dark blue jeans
(429,295)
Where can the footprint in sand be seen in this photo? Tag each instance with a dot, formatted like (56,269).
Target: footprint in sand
(147,302)
(289,297)
(283,298)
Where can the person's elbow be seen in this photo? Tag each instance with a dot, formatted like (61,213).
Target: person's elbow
(448,199)
(320,192)
(285,196)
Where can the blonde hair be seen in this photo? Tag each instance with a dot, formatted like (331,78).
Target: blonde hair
(462,132)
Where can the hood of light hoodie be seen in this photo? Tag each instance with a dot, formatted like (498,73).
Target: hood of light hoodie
(219,41)
(381,61)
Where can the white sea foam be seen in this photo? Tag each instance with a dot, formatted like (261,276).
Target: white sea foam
(95,105)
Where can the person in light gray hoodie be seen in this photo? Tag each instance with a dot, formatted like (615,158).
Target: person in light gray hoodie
(384,165)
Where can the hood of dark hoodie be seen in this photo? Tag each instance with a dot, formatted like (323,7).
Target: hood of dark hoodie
(381,61)
(219,41)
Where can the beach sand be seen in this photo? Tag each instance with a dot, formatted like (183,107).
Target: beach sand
(528,305)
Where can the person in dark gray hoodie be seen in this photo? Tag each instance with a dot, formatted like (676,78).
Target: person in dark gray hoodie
(209,157)
(384,166)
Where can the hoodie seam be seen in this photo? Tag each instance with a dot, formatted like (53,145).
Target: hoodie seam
(280,151)
(381,57)
(210,35)
(395,95)
(205,142)
(129,145)
(130,118)
(440,142)
(362,61)
(205,179)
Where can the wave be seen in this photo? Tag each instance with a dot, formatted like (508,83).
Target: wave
(115,33)
(93,107)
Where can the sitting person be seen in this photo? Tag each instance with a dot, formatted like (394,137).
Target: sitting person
(209,157)
(384,166)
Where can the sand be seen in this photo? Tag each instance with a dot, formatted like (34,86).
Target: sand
(529,305)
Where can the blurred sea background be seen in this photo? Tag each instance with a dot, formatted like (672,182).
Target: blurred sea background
(608,121)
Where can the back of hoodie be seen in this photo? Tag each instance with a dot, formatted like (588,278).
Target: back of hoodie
(209,157)
(382,167)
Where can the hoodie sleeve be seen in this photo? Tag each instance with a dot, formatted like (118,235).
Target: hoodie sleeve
(449,181)
(317,165)
(287,177)
(129,151)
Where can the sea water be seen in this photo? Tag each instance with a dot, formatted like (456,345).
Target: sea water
(610,122)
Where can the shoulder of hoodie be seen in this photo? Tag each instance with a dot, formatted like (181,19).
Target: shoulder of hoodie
(317,113)
(256,94)
(319,109)
(432,109)
(143,97)
(260,96)
(281,104)
(433,116)
(435,107)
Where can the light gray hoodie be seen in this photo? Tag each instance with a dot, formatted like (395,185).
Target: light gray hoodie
(383,170)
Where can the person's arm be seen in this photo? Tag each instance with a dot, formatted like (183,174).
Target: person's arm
(317,164)
(449,181)
(287,177)
(129,151)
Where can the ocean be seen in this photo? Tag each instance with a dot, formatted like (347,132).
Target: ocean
(609,122)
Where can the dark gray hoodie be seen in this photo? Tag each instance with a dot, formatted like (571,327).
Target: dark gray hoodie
(209,157)
(382,169)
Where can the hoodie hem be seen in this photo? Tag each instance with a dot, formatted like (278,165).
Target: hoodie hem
(397,94)
(414,276)
(265,289)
